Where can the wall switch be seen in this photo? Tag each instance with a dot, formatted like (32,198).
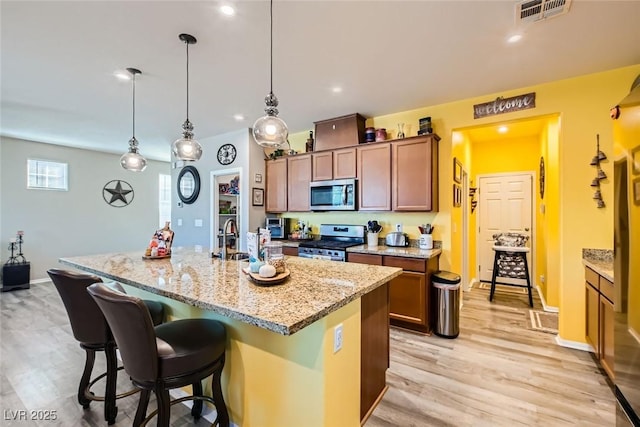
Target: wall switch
(197,223)
(337,338)
(399,228)
(542,278)
(179,222)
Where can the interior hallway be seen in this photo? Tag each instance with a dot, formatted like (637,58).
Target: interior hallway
(497,372)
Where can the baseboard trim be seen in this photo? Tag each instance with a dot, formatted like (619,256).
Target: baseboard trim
(574,344)
(546,307)
(35,281)
(208,413)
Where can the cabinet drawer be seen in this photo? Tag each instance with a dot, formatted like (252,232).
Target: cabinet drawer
(407,264)
(592,278)
(290,250)
(606,288)
(365,258)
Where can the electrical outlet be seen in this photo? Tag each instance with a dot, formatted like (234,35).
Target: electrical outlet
(197,223)
(179,222)
(399,228)
(337,338)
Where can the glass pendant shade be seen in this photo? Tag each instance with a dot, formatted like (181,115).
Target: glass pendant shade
(133,160)
(270,131)
(187,148)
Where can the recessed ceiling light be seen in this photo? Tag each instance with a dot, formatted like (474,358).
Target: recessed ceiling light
(238,117)
(227,10)
(122,75)
(336,89)
(514,38)
(503,129)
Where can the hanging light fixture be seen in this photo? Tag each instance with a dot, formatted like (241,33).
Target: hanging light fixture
(270,130)
(132,160)
(187,148)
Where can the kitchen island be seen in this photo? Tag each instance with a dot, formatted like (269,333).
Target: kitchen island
(281,365)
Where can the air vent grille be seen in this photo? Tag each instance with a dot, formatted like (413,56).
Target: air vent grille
(535,10)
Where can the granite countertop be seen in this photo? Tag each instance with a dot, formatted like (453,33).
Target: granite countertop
(315,288)
(600,261)
(409,251)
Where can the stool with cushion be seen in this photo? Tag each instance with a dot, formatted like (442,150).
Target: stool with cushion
(174,354)
(91,330)
(510,262)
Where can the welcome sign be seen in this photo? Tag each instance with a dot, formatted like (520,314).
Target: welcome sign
(505,105)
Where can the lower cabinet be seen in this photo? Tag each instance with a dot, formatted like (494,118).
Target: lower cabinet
(290,250)
(600,318)
(409,293)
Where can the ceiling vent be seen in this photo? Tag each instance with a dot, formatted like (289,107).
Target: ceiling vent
(536,10)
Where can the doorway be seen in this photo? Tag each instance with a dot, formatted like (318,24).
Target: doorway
(505,205)
(226,206)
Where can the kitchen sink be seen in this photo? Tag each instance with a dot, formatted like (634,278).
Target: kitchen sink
(233,256)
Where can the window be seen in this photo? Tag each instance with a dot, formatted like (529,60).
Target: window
(45,175)
(164,199)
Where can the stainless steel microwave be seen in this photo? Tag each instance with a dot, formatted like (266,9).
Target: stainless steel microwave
(336,195)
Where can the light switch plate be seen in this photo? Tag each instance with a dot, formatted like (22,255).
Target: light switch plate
(179,222)
(197,223)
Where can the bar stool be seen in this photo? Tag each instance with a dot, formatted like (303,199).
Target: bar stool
(174,354)
(510,262)
(91,330)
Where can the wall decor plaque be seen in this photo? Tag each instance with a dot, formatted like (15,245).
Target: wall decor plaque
(117,193)
(505,105)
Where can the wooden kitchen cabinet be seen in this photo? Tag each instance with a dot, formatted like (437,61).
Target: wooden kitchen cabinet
(322,167)
(276,185)
(374,177)
(600,318)
(336,164)
(298,179)
(414,171)
(290,250)
(339,132)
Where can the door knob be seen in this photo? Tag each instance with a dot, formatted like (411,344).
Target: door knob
(526,229)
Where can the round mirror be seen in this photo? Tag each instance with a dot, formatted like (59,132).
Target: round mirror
(188,184)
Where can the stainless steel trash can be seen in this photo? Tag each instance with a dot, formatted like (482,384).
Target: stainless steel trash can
(447,299)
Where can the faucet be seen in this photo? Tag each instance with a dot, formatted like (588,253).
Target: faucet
(223,251)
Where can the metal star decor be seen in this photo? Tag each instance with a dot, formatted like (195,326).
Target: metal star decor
(117,193)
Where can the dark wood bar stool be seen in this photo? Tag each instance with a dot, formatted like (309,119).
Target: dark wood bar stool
(91,330)
(174,354)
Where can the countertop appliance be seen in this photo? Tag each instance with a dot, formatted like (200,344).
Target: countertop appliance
(626,274)
(397,239)
(335,195)
(333,243)
(279,227)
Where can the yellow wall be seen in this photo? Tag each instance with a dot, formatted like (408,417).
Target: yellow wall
(271,379)
(583,105)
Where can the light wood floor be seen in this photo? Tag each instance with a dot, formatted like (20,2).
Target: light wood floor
(495,373)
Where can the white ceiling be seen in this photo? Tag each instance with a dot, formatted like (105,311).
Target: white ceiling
(58,60)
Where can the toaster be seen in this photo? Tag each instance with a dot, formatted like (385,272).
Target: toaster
(397,238)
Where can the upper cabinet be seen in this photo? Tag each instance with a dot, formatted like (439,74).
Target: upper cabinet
(276,185)
(336,164)
(298,179)
(374,177)
(414,174)
(340,132)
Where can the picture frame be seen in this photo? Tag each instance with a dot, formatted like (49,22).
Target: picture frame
(257,196)
(636,191)
(635,160)
(457,171)
(457,196)
(257,178)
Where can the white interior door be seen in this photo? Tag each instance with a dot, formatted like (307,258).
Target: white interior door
(504,206)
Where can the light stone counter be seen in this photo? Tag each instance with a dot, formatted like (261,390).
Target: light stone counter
(315,288)
(600,261)
(409,252)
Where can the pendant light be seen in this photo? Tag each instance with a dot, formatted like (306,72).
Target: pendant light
(133,160)
(270,130)
(187,148)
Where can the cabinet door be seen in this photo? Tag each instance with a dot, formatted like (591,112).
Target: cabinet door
(276,185)
(407,295)
(414,175)
(344,163)
(322,166)
(298,179)
(374,177)
(592,317)
(606,335)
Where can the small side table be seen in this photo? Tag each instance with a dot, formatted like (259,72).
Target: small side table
(16,276)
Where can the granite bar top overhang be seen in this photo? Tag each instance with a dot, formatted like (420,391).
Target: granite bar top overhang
(315,288)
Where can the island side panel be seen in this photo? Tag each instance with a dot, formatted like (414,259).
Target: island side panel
(294,380)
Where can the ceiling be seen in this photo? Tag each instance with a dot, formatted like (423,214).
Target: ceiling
(58,60)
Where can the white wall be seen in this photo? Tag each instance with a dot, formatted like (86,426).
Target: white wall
(79,221)
(249,160)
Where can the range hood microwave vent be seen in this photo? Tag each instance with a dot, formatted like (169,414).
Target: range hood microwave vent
(536,10)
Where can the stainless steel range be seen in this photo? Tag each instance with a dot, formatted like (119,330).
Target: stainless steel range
(333,243)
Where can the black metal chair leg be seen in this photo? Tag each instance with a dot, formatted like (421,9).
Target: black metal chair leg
(221,408)
(526,272)
(141,412)
(164,406)
(86,378)
(494,276)
(196,409)
(110,408)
